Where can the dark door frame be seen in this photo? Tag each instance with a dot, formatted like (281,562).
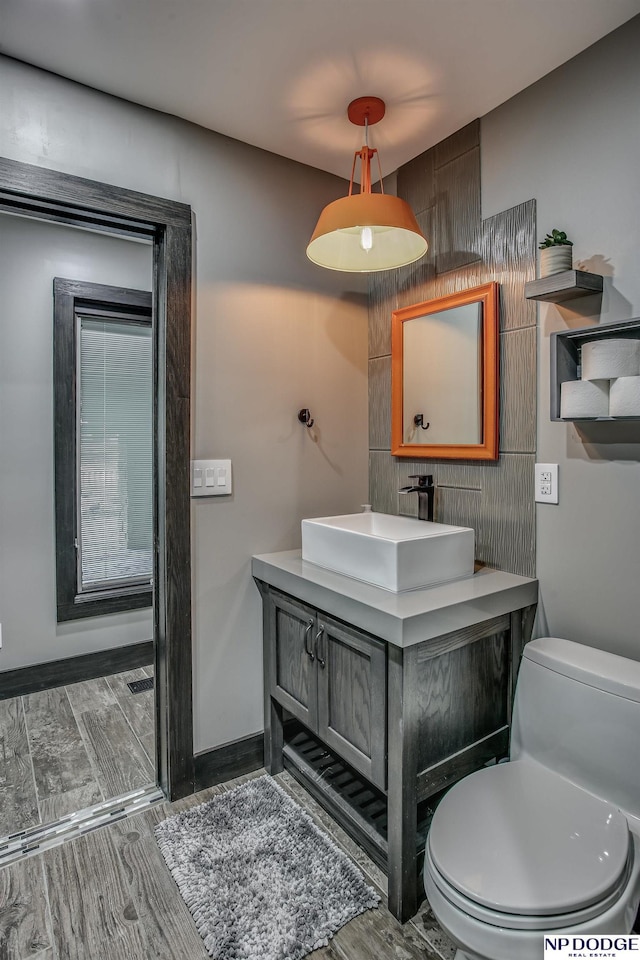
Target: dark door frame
(48,194)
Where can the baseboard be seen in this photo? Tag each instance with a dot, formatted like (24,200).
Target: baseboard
(88,666)
(229,761)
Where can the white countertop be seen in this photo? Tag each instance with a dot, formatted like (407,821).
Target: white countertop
(400,618)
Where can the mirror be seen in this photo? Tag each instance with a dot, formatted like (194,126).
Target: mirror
(444,377)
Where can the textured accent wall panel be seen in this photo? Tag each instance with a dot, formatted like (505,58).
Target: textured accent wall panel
(453,481)
(380,403)
(383,493)
(509,254)
(416,183)
(415,282)
(518,390)
(382,302)
(458,231)
(462,508)
(464,139)
(408,504)
(495,498)
(507,528)
(452,473)
(469,275)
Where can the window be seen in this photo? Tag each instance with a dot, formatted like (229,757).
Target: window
(103,380)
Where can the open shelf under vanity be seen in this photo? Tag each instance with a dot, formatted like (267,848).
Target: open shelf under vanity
(355,803)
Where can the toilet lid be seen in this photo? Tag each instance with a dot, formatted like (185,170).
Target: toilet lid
(520,839)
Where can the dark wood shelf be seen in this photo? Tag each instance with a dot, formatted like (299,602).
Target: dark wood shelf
(564,286)
(355,803)
(566,346)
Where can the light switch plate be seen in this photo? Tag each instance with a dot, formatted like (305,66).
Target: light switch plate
(210,478)
(546,483)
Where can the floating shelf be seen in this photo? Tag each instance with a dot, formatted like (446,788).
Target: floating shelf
(565,348)
(564,286)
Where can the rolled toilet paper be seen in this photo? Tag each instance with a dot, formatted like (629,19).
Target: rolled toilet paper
(580,399)
(624,397)
(607,359)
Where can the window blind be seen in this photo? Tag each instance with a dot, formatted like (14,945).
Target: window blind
(115,456)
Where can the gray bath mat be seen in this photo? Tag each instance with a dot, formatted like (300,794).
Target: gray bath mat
(260,879)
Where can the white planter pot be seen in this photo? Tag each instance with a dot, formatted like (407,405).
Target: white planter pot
(555,259)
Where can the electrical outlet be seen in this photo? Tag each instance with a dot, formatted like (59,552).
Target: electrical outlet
(546,483)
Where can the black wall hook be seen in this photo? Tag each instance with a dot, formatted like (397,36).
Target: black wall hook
(419,421)
(304,416)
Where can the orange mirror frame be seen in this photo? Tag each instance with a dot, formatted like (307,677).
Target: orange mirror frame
(487,296)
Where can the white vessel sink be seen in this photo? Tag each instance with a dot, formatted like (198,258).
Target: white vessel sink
(397,553)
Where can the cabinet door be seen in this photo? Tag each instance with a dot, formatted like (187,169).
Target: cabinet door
(352,697)
(292,662)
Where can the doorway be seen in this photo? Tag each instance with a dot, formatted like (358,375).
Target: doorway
(59,198)
(76,420)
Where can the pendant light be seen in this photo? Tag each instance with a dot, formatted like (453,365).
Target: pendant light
(364,232)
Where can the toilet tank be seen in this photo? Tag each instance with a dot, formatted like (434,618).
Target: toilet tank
(577,711)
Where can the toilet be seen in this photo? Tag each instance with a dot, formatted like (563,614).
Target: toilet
(549,842)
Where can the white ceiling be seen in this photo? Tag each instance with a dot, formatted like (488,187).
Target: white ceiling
(280,73)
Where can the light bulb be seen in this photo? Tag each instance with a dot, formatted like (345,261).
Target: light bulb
(366,239)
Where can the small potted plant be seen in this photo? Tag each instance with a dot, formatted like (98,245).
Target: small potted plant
(556,255)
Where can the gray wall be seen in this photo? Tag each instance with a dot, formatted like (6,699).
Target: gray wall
(272,333)
(572,141)
(32,253)
(495,498)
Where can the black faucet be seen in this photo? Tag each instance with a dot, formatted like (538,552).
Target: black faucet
(425,490)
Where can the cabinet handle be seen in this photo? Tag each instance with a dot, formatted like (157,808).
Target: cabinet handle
(307,633)
(316,643)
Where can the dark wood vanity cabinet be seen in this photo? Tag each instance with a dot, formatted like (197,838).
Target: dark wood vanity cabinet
(376,730)
(332,678)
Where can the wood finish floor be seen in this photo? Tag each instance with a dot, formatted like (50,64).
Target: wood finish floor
(110,896)
(64,749)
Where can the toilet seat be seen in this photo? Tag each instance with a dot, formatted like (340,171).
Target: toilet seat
(528,923)
(502,939)
(517,846)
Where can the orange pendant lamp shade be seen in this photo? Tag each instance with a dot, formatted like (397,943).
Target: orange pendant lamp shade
(366,232)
